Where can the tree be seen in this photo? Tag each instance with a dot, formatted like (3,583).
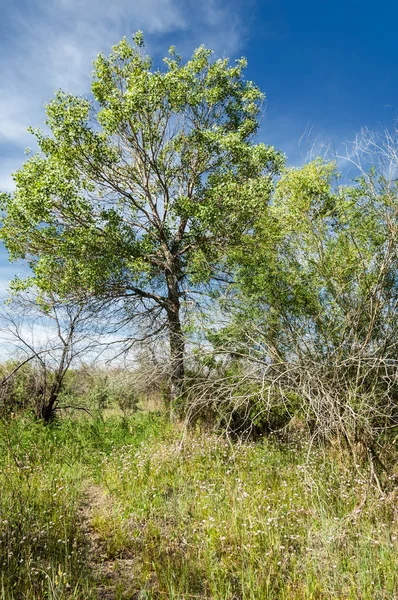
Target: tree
(135,196)
(49,337)
(323,280)
(315,310)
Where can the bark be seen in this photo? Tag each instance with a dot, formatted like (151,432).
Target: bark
(48,410)
(177,349)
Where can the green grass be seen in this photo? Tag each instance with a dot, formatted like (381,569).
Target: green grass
(186,515)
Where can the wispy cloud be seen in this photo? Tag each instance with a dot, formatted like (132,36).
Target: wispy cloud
(51,45)
(7,166)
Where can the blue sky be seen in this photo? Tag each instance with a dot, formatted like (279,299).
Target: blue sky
(328,68)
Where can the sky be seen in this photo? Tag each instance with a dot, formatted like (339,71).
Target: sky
(327,68)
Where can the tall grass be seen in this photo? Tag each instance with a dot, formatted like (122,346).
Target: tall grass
(186,514)
(249,521)
(43,471)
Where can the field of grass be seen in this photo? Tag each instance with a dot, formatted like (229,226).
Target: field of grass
(125,508)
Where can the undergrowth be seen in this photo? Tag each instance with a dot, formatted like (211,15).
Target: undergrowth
(191,515)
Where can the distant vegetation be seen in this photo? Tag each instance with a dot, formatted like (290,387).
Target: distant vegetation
(201,396)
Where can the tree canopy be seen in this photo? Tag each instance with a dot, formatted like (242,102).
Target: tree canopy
(319,271)
(137,193)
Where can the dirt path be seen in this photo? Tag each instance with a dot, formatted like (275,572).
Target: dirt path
(114,577)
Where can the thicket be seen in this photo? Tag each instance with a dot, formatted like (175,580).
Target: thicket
(311,332)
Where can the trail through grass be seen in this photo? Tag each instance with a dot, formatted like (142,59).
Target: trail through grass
(137,508)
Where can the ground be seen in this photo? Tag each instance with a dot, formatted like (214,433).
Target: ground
(132,508)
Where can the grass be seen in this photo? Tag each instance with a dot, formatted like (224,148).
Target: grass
(185,514)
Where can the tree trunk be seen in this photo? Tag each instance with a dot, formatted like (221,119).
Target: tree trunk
(47,412)
(48,409)
(177,349)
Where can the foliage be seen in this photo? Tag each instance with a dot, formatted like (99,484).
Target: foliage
(314,310)
(140,205)
(325,277)
(135,197)
(100,389)
(22,392)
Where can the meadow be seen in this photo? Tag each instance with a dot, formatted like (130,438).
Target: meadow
(134,507)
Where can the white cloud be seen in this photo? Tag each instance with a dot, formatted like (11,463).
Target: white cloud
(7,167)
(54,43)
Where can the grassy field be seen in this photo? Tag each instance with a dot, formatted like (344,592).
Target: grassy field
(125,508)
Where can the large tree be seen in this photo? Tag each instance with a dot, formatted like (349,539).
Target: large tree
(136,193)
